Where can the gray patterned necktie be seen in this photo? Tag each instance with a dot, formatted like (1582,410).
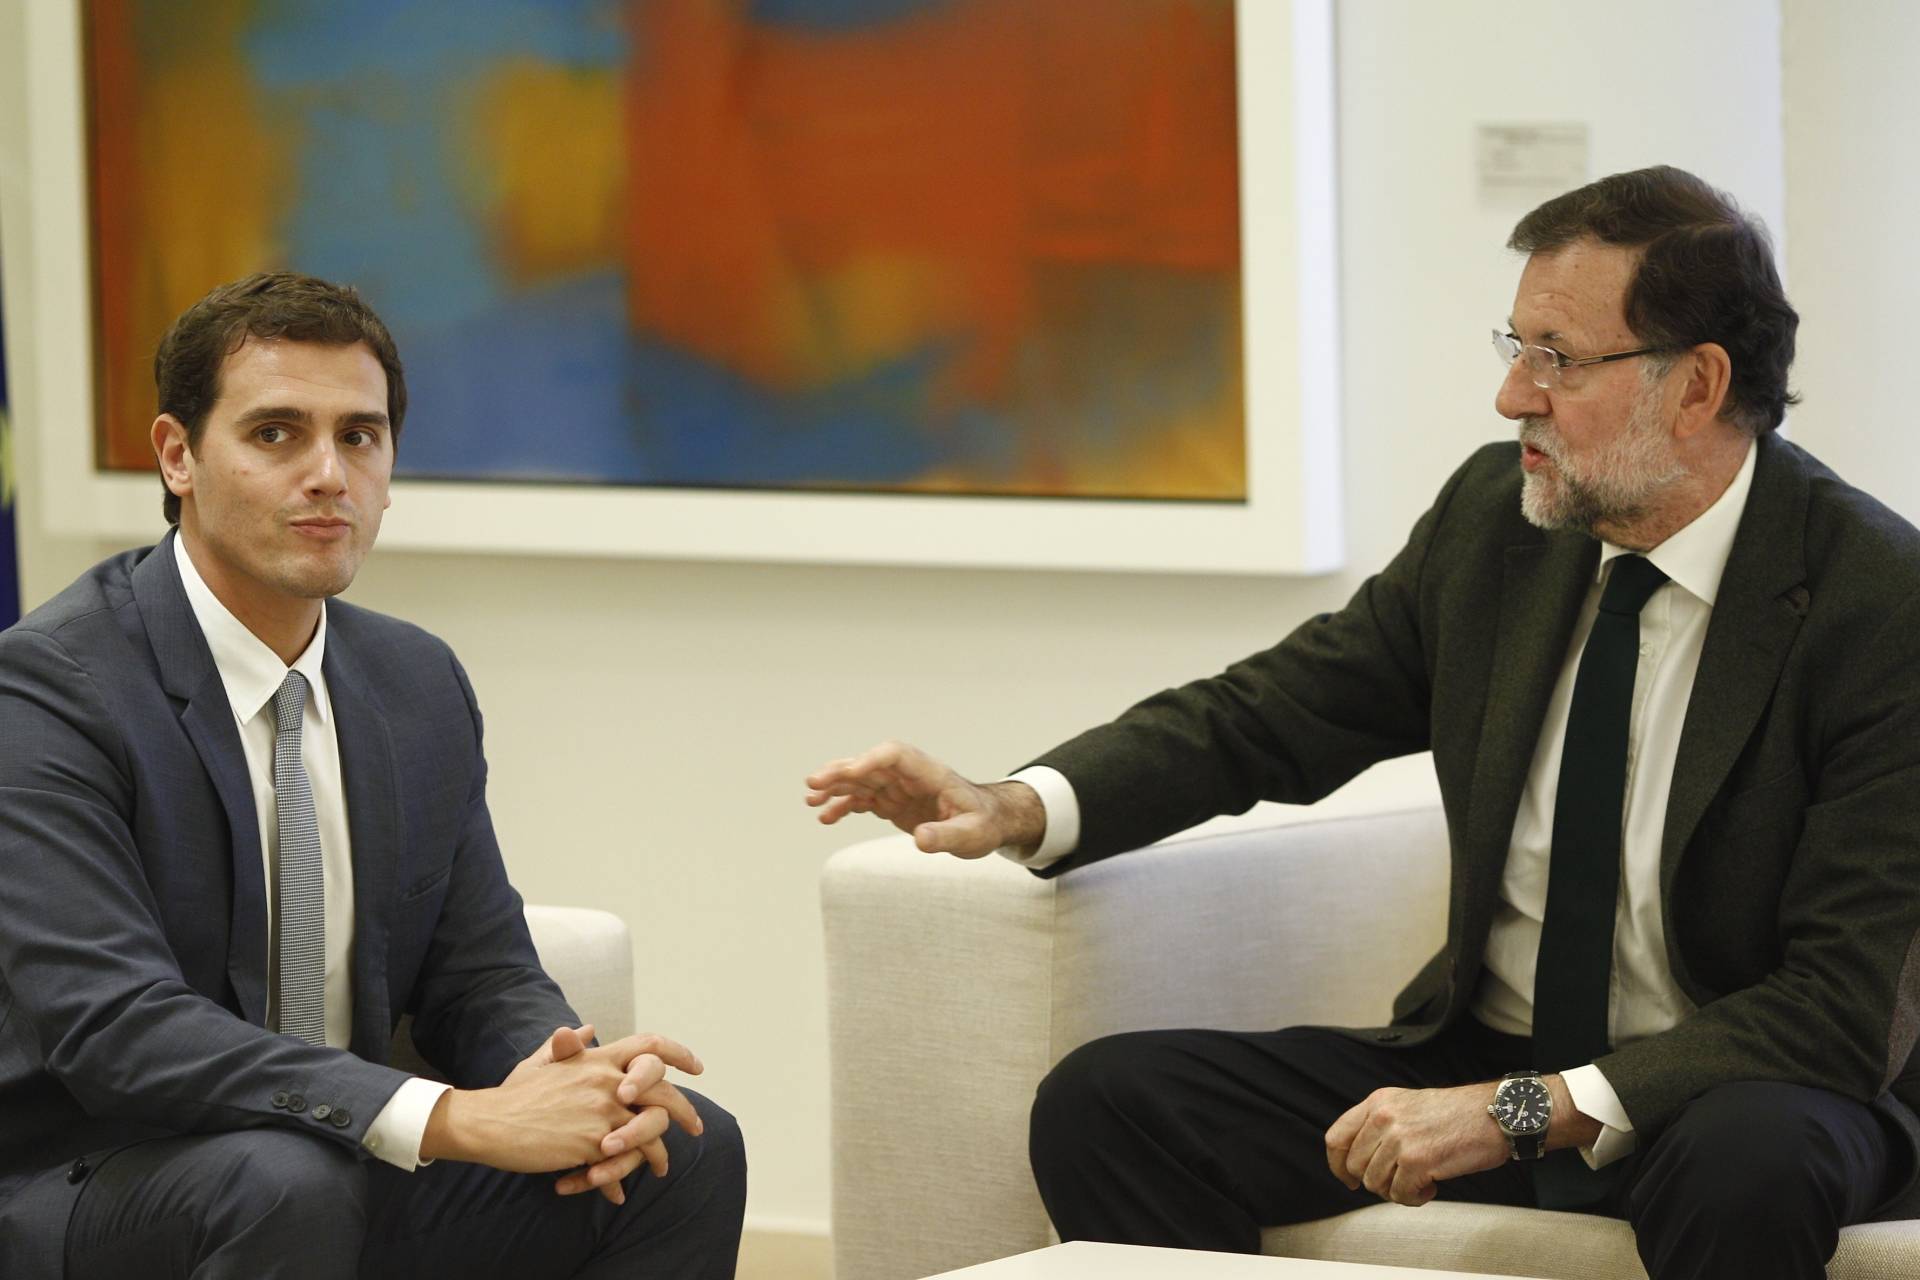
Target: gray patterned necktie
(300,918)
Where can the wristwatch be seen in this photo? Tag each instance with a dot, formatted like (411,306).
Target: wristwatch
(1522,1107)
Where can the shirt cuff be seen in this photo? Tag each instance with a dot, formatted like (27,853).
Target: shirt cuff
(1062,809)
(396,1133)
(1595,1098)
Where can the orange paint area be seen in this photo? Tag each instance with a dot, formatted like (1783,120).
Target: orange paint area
(804,205)
(169,226)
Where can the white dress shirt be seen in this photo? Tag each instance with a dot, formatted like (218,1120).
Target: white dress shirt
(1644,999)
(252,673)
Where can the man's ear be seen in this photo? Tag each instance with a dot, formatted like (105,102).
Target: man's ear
(176,457)
(1708,371)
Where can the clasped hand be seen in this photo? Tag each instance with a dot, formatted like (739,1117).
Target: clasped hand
(599,1112)
(1401,1144)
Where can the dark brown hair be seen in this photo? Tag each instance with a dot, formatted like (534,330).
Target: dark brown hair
(269,304)
(1706,274)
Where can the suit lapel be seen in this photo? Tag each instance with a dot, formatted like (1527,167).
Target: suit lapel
(1542,587)
(373,825)
(1756,616)
(188,675)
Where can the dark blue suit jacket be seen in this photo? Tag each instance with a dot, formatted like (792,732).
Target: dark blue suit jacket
(133,924)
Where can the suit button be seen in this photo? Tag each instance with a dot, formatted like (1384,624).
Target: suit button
(79,1171)
(280,1099)
(341,1119)
(296,1103)
(1389,1037)
(322,1111)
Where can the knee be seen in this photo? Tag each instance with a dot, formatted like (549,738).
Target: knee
(1735,1149)
(718,1155)
(289,1184)
(1112,1075)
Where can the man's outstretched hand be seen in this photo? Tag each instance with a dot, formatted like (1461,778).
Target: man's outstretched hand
(942,811)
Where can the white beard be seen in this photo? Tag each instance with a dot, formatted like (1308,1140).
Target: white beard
(1615,487)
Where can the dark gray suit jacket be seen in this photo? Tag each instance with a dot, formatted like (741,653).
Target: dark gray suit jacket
(1790,864)
(133,927)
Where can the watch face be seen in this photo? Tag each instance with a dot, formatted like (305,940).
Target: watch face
(1521,1106)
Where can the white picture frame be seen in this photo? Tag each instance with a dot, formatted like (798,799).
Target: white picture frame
(1291,522)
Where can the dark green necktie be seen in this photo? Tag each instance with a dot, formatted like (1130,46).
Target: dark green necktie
(1572,978)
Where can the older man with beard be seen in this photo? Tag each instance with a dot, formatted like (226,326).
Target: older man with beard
(1663,661)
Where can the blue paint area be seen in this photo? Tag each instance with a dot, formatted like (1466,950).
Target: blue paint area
(9,567)
(549,386)
(378,95)
(380,210)
(703,424)
(534,388)
(839,15)
(9,549)
(302,43)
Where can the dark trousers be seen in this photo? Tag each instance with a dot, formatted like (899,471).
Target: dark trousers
(267,1203)
(1198,1139)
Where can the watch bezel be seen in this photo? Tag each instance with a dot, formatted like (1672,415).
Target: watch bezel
(1530,1143)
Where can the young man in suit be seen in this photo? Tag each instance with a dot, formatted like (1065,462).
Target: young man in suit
(1664,662)
(244,828)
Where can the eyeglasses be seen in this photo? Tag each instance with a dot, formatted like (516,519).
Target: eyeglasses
(1545,365)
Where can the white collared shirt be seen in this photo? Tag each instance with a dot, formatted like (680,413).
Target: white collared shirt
(251,674)
(1644,999)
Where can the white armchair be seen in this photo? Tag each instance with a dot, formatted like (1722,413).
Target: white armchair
(953,987)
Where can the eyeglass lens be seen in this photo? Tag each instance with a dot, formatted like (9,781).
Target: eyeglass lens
(1541,366)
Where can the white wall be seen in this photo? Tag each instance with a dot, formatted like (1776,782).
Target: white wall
(650,722)
(1853,208)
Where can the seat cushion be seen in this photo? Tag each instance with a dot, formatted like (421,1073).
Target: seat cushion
(1502,1241)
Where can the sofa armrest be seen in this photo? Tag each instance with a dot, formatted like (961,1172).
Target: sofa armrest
(954,986)
(1305,922)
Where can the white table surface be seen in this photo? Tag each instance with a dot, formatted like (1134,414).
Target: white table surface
(1081,1260)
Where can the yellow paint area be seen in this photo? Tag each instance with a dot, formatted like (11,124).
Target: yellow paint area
(220,224)
(1199,456)
(840,323)
(550,166)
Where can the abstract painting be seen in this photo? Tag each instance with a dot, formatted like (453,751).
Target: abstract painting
(970,247)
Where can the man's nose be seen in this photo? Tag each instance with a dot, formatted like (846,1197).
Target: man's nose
(1518,397)
(325,471)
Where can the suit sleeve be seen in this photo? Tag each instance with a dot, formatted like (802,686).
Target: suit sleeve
(83,953)
(482,1002)
(1292,723)
(1841,1008)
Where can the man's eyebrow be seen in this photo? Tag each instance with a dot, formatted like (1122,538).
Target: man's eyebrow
(295,413)
(1547,338)
(273,413)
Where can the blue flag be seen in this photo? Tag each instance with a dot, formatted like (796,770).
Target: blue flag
(9,554)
